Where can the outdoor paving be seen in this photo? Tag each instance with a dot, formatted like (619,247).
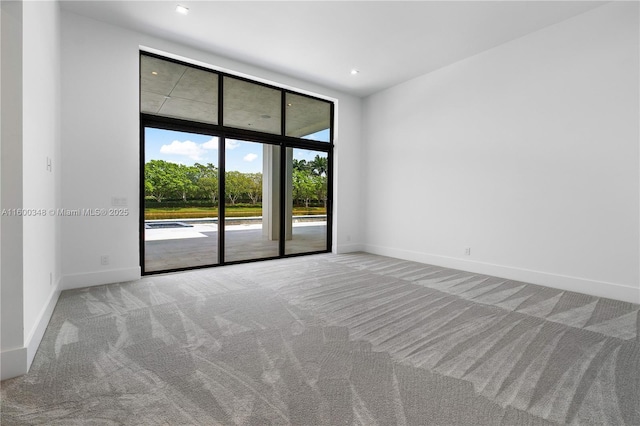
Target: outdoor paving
(173,248)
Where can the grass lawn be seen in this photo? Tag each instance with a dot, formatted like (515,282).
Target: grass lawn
(151,213)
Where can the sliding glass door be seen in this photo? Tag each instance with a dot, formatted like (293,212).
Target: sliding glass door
(251,211)
(180,200)
(307,201)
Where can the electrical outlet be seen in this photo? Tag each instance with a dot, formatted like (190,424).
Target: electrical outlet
(119,201)
(104,260)
(467,251)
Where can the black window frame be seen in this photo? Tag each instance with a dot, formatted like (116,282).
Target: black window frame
(226,132)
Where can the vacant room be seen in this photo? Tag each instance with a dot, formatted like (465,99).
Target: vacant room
(319,213)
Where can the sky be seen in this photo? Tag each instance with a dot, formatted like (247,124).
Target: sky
(190,148)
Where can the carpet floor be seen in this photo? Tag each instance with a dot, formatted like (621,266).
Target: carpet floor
(353,339)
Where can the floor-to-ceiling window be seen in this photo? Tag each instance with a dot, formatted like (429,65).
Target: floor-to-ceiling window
(232,170)
(180,222)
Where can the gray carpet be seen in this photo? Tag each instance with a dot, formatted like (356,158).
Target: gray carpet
(330,339)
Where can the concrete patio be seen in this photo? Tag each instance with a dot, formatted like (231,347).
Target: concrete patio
(197,245)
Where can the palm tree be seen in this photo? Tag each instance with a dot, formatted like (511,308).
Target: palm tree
(319,165)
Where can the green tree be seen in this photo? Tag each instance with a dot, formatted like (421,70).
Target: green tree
(209,187)
(254,186)
(161,179)
(208,170)
(320,188)
(301,165)
(235,185)
(187,181)
(310,180)
(207,180)
(303,187)
(319,165)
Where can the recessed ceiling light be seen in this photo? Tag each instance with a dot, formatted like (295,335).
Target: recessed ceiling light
(182,9)
(354,71)
(289,104)
(154,73)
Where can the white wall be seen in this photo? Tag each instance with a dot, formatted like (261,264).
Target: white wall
(41,146)
(13,354)
(30,135)
(527,153)
(348,190)
(100,148)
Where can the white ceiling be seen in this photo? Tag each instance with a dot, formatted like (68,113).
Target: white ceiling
(321,41)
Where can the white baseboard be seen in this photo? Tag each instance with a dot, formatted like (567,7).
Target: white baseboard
(562,282)
(347,248)
(36,334)
(13,363)
(90,279)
